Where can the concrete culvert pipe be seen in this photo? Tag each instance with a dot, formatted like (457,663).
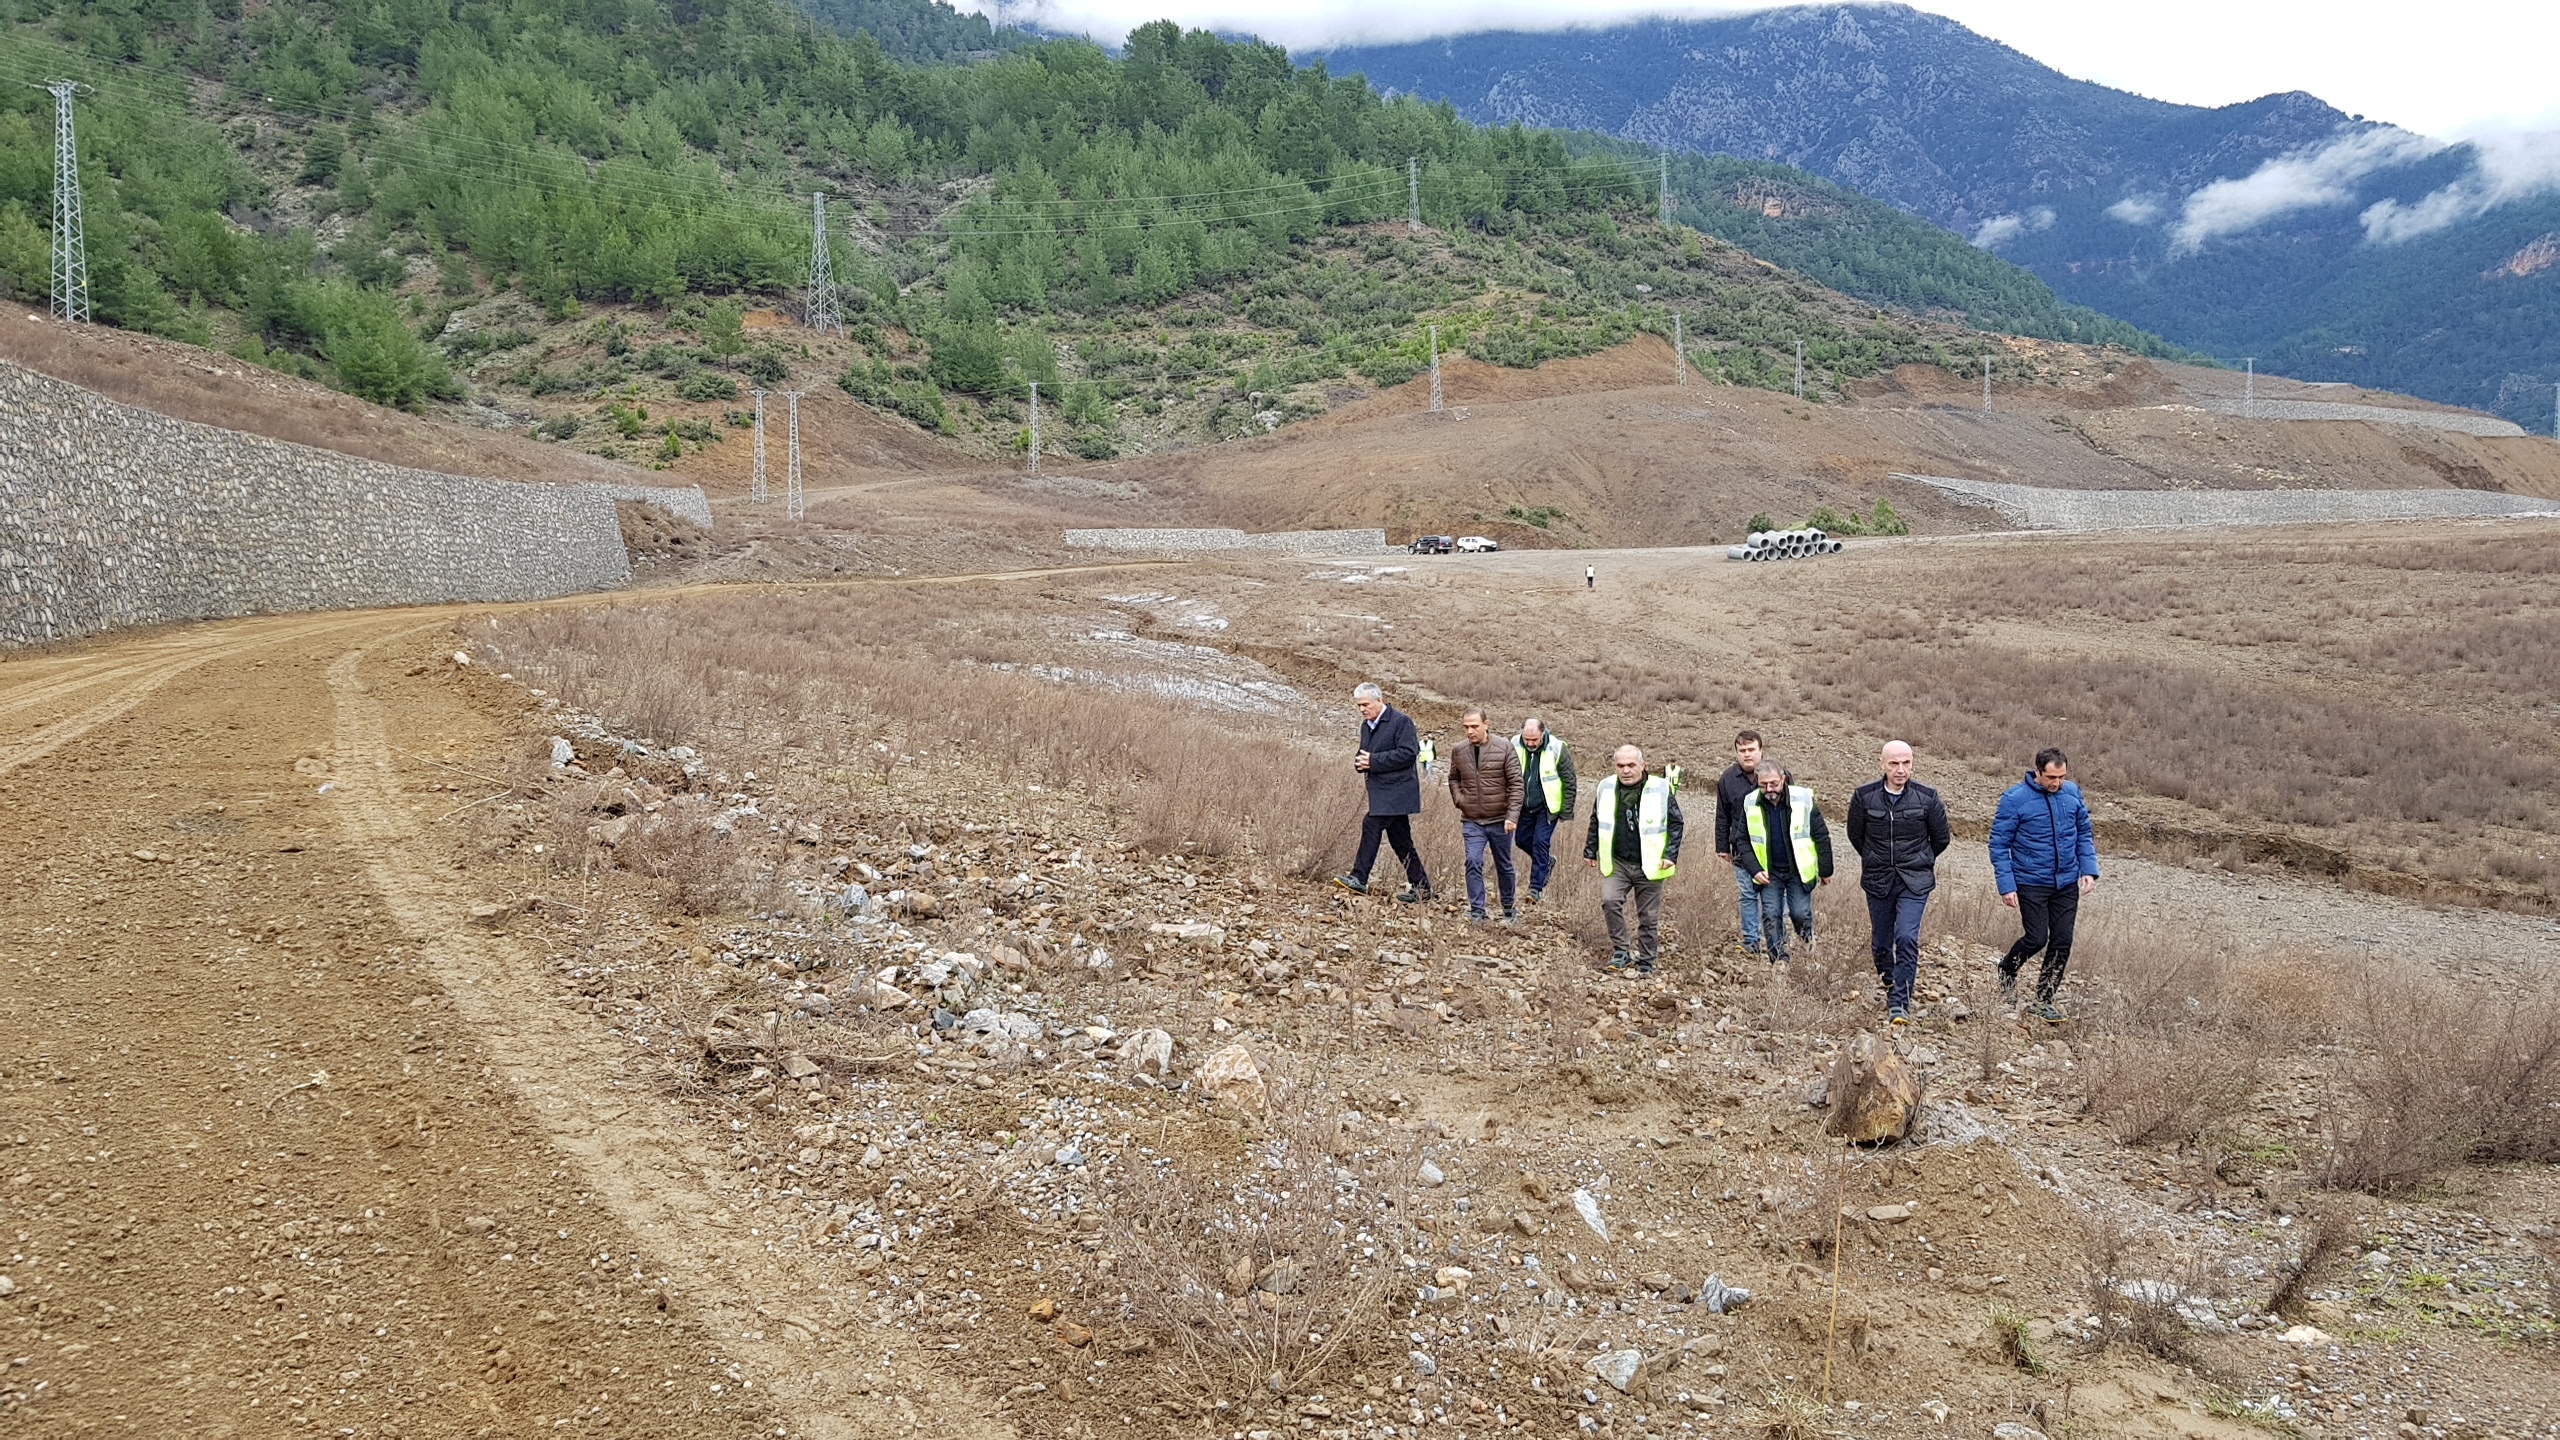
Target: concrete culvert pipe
(1832,547)
(1737,552)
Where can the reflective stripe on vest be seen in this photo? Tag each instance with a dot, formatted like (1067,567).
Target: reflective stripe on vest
(1653,826)
(1799,832)
(1428,753)
(1550,779)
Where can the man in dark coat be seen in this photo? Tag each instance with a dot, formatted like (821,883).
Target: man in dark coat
(1740,781)
(1387,758)
(1899,829)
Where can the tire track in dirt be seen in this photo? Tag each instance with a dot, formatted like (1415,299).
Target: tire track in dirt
(659,1181)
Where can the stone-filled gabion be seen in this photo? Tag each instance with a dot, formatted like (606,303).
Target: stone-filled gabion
(113,516)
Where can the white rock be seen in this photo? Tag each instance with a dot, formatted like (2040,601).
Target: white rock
(462,657)
(1424,1365)
(1150,1047)
(1453,1277)
(2305,1335)
(8,1286)
(1430,1175)
(1618,1367)
(1231,1075)
(562,752)
(1196,932)
(871,1158)
(2012,1430)
(1586,1205)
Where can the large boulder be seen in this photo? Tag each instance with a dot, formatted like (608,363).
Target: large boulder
(1875,1096)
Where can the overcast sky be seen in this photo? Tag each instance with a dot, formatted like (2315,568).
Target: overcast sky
(2448,68)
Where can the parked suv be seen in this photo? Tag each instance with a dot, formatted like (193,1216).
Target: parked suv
(1434,545)
(1477,545)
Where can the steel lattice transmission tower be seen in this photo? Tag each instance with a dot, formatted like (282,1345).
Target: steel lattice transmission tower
(755,488)
(1413,194)
(795,501)
(70,249)
(1435,367)
(826,308)
(1679,348)
(1662,186)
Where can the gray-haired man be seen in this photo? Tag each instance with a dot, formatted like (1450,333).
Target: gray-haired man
(1387,759)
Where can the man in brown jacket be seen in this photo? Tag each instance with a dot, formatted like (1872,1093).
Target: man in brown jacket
(1484,783)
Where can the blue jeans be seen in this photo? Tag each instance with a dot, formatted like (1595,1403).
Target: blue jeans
(1483,837)
(1893,923)
(1750,906)
(1537,835)
(1780,900)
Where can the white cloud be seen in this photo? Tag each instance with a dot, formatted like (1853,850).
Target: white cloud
(1999,230)
(2136,209)
(2310,178)
(2508,168)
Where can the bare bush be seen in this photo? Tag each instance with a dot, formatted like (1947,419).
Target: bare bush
(2167,1086)
(1270,1270)
(2441,1074)
(2133,1301)
(2324,1239)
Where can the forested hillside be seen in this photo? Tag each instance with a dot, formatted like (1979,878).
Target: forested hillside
(585,198)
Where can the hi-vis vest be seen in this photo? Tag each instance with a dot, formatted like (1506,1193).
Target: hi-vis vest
(1428,753)
(1653,826)
(1799,831)
(1550,780)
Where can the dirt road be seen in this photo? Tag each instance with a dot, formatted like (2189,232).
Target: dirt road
(293,1142)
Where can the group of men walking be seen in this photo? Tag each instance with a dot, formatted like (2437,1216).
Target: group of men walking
(1512,794)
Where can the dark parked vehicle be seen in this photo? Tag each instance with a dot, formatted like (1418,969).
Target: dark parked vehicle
(1434,545)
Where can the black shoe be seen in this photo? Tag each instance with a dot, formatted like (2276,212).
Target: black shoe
(1352,883)
(1415,895)
(1477,917)
(1510,916)
(1644,967)
(2008,985)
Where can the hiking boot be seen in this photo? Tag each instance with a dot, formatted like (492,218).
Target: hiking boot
(1899,1016)
(2044,1010)
(1537,895)
(1806,940)
(2008,986)
(1415,894)
(1510,916)
(1352,883)
(1644,968)
(1620,960)
(1476,917)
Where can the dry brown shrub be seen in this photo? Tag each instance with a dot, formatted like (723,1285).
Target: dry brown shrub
(700,871)
(2135,1298)
(2441,1073)
(1254,1269)
(2321,1241)
(2169,1085)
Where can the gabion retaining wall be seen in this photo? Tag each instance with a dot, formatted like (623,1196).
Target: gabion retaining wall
(2455,420)
(113,516)
(2035,507)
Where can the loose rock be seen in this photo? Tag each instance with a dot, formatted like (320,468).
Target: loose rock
(1231,1076)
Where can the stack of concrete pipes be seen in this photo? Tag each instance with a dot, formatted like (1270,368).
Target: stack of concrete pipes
(1783,545)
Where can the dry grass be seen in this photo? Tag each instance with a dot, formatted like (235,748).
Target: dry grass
(2168,1086)
(2440,1073)
(1267,1270)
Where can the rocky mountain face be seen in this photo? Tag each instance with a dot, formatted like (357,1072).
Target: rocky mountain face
(2328,246)
(1901,105)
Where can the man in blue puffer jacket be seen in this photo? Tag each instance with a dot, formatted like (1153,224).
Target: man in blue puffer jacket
(2045,856)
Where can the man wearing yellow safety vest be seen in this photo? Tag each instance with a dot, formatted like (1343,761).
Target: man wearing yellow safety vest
(1790,854)
(1546,771)
(1635,842)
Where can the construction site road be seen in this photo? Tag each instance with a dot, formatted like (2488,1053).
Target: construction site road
(292,1141)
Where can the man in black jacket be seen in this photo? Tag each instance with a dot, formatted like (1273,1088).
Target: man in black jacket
(1388,759)
(1741,780)
(1899,829)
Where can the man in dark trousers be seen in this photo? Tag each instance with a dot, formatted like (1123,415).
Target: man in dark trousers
(1740,781)
(2044,853)
(1546,799)
(1898,826)
(1389,750)
(1484,783)
(1634,841)
(1790,853)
